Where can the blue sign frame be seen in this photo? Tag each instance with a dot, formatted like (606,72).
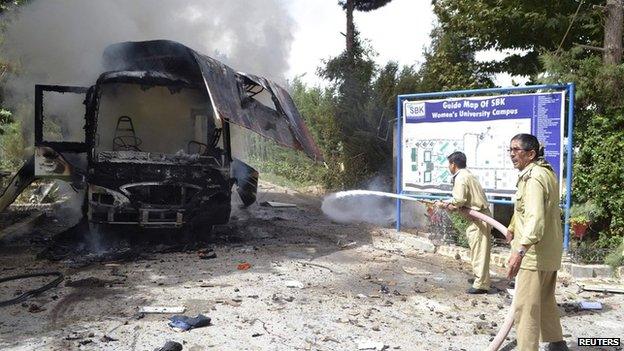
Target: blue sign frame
(568,88)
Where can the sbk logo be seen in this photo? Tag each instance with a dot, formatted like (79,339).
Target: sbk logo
(415,110)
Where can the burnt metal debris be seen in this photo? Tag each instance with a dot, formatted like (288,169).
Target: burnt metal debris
(155,150)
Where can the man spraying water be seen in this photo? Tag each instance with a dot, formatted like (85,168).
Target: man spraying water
(468,192)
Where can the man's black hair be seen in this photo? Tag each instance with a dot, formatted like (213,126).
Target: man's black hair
(458,158)
(529,142)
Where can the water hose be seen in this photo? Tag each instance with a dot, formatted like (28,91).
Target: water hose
(498,340)
(496,343)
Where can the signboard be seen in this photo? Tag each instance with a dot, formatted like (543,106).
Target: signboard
(481,127)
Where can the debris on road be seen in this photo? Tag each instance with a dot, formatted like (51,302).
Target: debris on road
(347,245)
(206,254)
(304,292)
(604,288)
(590,305)
(294,284)
(31,293)
(106,338)
(384,289)
(34,308)
(415,271)
(162,309)
(371,345)
(185,323)
(277,204)
(243,266)
(91,282)
(170,346)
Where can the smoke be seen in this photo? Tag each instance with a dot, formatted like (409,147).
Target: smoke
(358,206)
(346,207)
(363,206)
(70,211)
(61,41)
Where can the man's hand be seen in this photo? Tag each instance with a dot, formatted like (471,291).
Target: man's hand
(509,235)
(445,205)
(513,264)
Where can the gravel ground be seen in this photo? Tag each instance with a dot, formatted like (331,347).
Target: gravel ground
(311,285)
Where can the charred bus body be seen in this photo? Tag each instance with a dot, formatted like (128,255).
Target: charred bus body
(151,144)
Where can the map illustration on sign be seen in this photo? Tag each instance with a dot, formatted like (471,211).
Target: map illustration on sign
(480,127)
(485,146)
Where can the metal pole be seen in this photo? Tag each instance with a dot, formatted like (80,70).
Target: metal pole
(399,187)
(570,150)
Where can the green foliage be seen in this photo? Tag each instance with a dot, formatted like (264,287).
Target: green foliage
(535,27)
(599,144)
(597,170)
(6,117)
(317,109)
(589,74)
(616,257)
(460,223)
(11,147)
(364,5)
(290,165)
(361,153)
(450,64)
(597,251)
(585,212)
(9,4)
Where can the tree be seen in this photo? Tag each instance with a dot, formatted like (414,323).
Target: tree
(534,27)
(6,117)
(450,64)
(8,4)
(360,5)
(612,47)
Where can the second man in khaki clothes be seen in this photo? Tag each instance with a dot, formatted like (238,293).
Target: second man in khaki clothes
(536,247)
(467,192)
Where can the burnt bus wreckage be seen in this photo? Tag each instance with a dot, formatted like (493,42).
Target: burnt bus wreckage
(155,148)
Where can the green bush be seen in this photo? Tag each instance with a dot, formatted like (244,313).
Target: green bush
(598,142)
(597,172)
(595,251)
(11,147)
(616,257)
(460,223)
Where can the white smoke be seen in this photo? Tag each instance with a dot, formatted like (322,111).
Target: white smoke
(356,206)
(61,41)
(344,207)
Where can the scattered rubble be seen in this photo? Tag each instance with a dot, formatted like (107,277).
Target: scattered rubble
(185,323)
(294,284)
(170,346)
(243,266)
(339,300)
(162,309)
(91,282)
(276,204)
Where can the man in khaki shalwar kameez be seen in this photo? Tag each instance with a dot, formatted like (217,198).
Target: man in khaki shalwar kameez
(536,247)
(467,192)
